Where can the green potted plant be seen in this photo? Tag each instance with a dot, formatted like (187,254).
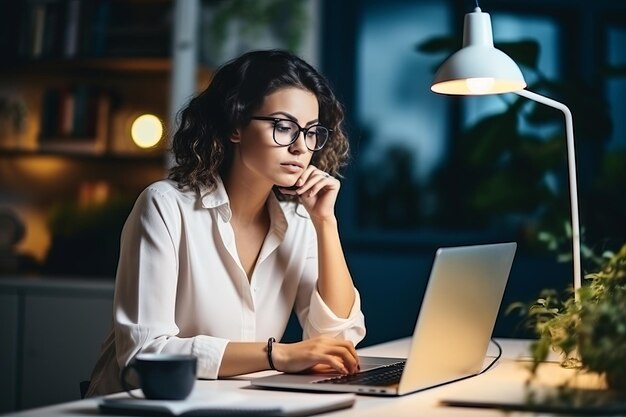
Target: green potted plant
(231,27)
(589,331)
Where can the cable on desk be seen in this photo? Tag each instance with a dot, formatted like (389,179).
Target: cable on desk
(488,367)
(498,355)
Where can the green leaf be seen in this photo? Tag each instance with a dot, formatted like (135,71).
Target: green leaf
(524,52)
(441,44)
(615,70)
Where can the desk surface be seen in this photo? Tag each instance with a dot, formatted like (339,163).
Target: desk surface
(505,380)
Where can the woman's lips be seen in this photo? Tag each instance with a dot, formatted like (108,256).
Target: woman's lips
(293,167)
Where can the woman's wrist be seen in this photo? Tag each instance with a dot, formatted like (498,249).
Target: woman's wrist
(278,356)
(325,223)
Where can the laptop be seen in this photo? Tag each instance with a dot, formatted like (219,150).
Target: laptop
(451,336)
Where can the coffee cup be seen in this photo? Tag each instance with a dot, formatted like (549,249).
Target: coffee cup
(162,376)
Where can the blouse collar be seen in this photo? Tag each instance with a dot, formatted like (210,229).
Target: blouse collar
(218,199)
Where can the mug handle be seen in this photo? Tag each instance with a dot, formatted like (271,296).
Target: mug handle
(127,387)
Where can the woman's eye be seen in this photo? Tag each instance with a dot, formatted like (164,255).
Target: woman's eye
(281,127)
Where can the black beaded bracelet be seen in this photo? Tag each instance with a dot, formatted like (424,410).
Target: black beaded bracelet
(269,353)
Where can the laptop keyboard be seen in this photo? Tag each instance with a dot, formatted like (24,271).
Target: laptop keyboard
(385,375)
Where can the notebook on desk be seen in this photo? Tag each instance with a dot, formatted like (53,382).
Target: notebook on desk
(452,332)
(228,402)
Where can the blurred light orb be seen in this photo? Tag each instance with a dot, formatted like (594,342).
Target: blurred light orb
(146,131)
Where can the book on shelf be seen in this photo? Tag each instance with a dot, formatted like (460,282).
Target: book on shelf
(70,46)
(38,22)
(41,28)
(74,118)
(69,29)
(52,24)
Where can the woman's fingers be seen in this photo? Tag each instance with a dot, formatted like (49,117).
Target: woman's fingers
(311,182)
(315,181)
(337,354)
(346,358)
(337,364)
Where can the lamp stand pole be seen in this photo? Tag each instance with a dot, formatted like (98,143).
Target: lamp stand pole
(573,187)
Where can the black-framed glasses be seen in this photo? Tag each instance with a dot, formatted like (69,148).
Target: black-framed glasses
(287,131)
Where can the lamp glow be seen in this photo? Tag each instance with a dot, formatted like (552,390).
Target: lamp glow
(478,69)
(480,85)
(146,131)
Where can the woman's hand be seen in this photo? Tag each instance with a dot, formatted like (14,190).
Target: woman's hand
(318,193)
(317,353)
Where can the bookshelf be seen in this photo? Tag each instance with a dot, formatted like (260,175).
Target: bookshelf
(78,28)
(82,70)
(73,77)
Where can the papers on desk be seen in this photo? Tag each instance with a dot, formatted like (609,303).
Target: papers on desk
(241,402)
(570,401)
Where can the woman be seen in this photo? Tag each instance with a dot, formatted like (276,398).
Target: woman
(214,259)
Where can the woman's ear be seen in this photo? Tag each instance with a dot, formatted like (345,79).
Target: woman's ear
(235,137)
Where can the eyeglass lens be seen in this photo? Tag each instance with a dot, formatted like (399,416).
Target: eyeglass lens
(286,132)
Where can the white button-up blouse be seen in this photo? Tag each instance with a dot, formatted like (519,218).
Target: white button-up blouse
(180,287)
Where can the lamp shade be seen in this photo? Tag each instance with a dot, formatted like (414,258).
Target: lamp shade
(478,68)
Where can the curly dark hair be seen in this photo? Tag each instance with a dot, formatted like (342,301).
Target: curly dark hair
(201,146)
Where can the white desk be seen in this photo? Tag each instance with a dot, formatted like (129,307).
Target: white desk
(505,380)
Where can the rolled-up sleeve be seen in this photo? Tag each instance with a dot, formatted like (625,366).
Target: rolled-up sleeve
(209,351)
(322,320)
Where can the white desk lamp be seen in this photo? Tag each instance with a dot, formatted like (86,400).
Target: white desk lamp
(480,69)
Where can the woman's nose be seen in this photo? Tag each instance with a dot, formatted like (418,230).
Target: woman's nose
(299,145)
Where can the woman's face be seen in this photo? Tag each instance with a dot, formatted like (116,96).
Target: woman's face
(258,157)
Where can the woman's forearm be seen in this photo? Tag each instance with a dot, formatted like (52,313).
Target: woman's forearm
(243,358)
(334,281)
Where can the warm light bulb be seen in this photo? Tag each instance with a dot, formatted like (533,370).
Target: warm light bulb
(479,85)
(146,130)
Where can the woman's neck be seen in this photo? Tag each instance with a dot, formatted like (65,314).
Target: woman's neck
(247,199)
